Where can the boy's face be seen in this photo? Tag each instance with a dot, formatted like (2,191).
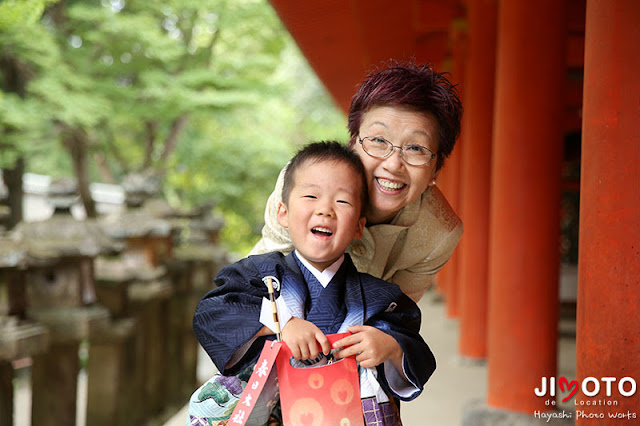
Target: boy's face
(324,211)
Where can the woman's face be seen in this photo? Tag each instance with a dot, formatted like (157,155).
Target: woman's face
(393,183)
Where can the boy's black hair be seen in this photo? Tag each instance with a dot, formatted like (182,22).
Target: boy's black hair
(324,151)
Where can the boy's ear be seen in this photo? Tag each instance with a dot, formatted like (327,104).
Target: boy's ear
(360,228)
(283,215)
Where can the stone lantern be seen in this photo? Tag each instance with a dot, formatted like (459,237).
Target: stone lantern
(60,293)
(19,337)
(195,262)
(113,380)
(148,244)
(207,226)
(148,238)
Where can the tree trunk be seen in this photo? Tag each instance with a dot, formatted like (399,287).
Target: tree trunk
(13,179)
(172,139)
(14,75)
(13,79)
(57,13)
(150,141)
(103,168)
(110,145)
(212,44)
(76,142)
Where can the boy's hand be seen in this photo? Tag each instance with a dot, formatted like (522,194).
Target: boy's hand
(371,347)
(303,337)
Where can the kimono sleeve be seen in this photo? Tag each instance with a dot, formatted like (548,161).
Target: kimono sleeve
(403,324)
(229,316)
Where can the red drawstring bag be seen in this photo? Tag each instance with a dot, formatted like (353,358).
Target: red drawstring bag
(313,396)
(322,395)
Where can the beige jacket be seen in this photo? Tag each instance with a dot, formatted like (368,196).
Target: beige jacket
(408,251)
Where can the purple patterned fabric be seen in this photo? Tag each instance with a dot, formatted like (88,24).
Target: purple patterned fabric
(376,414)
(231,383)
(198,421)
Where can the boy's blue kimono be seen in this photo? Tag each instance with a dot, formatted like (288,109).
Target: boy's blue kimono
(229,316)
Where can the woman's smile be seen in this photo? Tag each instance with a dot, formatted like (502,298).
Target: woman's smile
(392,183)
(390,186)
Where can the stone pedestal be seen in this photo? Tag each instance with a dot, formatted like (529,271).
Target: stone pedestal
(113,385)
(54,385)
(113,381)
(55,373)
(150,306)
(18,339)
(192,272)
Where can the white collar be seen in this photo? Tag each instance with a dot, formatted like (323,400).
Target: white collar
(325,276)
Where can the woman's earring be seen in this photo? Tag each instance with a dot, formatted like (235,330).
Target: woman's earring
(433,183)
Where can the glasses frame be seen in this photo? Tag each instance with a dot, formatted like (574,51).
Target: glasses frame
(401,148)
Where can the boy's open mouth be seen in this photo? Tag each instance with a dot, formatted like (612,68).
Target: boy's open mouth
(323,232)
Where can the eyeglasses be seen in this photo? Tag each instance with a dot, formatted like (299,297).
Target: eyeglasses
(379,147)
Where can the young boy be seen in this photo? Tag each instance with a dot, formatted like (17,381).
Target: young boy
(320,293)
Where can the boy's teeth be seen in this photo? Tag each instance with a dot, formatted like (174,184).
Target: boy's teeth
(387,184)
(322,230)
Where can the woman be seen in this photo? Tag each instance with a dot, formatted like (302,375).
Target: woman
(403,122)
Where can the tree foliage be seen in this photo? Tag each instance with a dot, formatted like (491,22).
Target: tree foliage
(212,93)
(21,12)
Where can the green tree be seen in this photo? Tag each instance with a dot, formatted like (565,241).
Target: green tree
(17,13)
(211,93)
(20,117)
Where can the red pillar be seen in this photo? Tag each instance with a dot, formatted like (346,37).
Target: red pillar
(448,182)
(525,202)
(608,321)
(476,177)
(453,188)
(449,273)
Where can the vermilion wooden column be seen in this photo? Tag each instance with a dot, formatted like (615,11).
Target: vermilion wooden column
(476,177)
(525,202)
(447,184)
(608,327)
(453,188)
(449,272)
(447,278)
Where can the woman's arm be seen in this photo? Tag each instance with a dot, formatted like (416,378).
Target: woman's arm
(416,280)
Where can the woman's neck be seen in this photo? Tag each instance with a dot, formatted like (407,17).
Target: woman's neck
(378,218)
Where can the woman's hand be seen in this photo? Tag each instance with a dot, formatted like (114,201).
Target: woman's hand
(371,347)
(303,337)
